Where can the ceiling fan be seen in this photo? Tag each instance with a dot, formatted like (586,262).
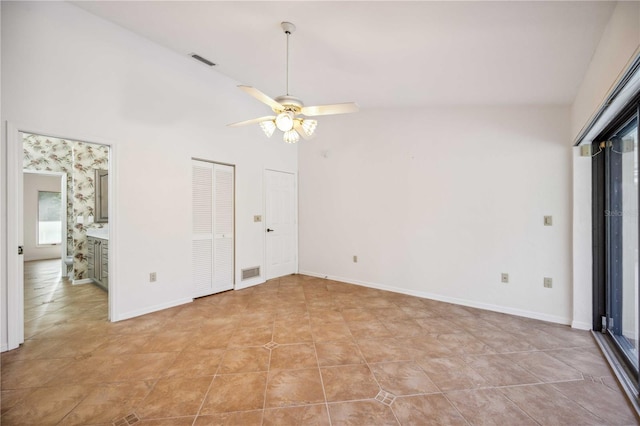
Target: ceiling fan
(288,109)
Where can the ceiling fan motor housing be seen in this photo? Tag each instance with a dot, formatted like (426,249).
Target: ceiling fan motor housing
(290,103)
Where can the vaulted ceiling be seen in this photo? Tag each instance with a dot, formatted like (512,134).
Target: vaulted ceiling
(383,54)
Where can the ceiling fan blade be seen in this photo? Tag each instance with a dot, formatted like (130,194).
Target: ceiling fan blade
(344,108)
(252,121)
(261,97)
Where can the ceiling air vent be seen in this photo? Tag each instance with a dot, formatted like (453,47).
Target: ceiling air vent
(250,273)
(203,60)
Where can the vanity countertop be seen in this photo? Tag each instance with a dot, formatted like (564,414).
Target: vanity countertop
(102,233)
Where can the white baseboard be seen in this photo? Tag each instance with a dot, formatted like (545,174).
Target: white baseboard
(150,309)
(82,281)
(581,325)
(447,299)
(249,283)
(4,347)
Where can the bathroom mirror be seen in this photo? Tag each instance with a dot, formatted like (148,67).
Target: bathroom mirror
(102,196)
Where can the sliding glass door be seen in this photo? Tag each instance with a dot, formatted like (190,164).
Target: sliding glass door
(616,235)
(621,222)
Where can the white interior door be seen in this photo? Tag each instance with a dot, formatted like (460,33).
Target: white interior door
(281,224)
(213,228)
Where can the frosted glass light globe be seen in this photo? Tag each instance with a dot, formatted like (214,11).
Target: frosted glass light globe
(291,136)
(284,121)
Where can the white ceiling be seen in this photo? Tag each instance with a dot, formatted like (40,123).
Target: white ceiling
(380,54)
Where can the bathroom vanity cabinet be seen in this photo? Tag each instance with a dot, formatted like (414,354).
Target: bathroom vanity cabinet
(98,258)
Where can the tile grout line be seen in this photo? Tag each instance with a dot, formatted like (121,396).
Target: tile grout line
(266,381)
(366,361)
(324,392)
(520,408)
(206,394)
(455,407)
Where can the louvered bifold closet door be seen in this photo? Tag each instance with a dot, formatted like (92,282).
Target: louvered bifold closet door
(213,227)
(202,239)
(223,214)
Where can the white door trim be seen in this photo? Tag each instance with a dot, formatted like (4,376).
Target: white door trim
(15,289)
(264,209)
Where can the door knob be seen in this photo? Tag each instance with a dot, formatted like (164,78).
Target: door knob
(269,230)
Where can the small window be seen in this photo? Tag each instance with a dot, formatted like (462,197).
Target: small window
(49,218)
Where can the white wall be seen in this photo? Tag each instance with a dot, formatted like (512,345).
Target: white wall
(83,78)
(32,184)
(619,44)
(439,202)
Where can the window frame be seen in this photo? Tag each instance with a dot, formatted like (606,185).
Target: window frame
(62,236)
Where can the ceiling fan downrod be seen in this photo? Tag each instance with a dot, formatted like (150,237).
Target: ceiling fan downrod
(288,29)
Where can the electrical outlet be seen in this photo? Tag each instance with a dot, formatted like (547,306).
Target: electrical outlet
(355,259)
(548,221)
(257,218)
(153,277)
(548,282)
(504,277)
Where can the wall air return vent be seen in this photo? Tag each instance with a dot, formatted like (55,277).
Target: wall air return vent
(203,60)
(250,273)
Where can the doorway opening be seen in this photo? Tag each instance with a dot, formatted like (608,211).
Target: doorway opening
(45,292)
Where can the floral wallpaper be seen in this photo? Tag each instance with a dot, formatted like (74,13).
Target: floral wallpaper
(79,160)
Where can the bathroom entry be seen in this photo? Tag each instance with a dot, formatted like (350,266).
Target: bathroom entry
(80,161)
(35,153)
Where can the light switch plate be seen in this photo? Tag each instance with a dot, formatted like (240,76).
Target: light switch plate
(548,220)
(548,282)
(504,277)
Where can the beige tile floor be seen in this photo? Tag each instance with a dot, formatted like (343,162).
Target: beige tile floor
(298,350)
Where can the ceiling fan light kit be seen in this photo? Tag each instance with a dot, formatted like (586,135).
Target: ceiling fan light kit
(287,107)
(284,121)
